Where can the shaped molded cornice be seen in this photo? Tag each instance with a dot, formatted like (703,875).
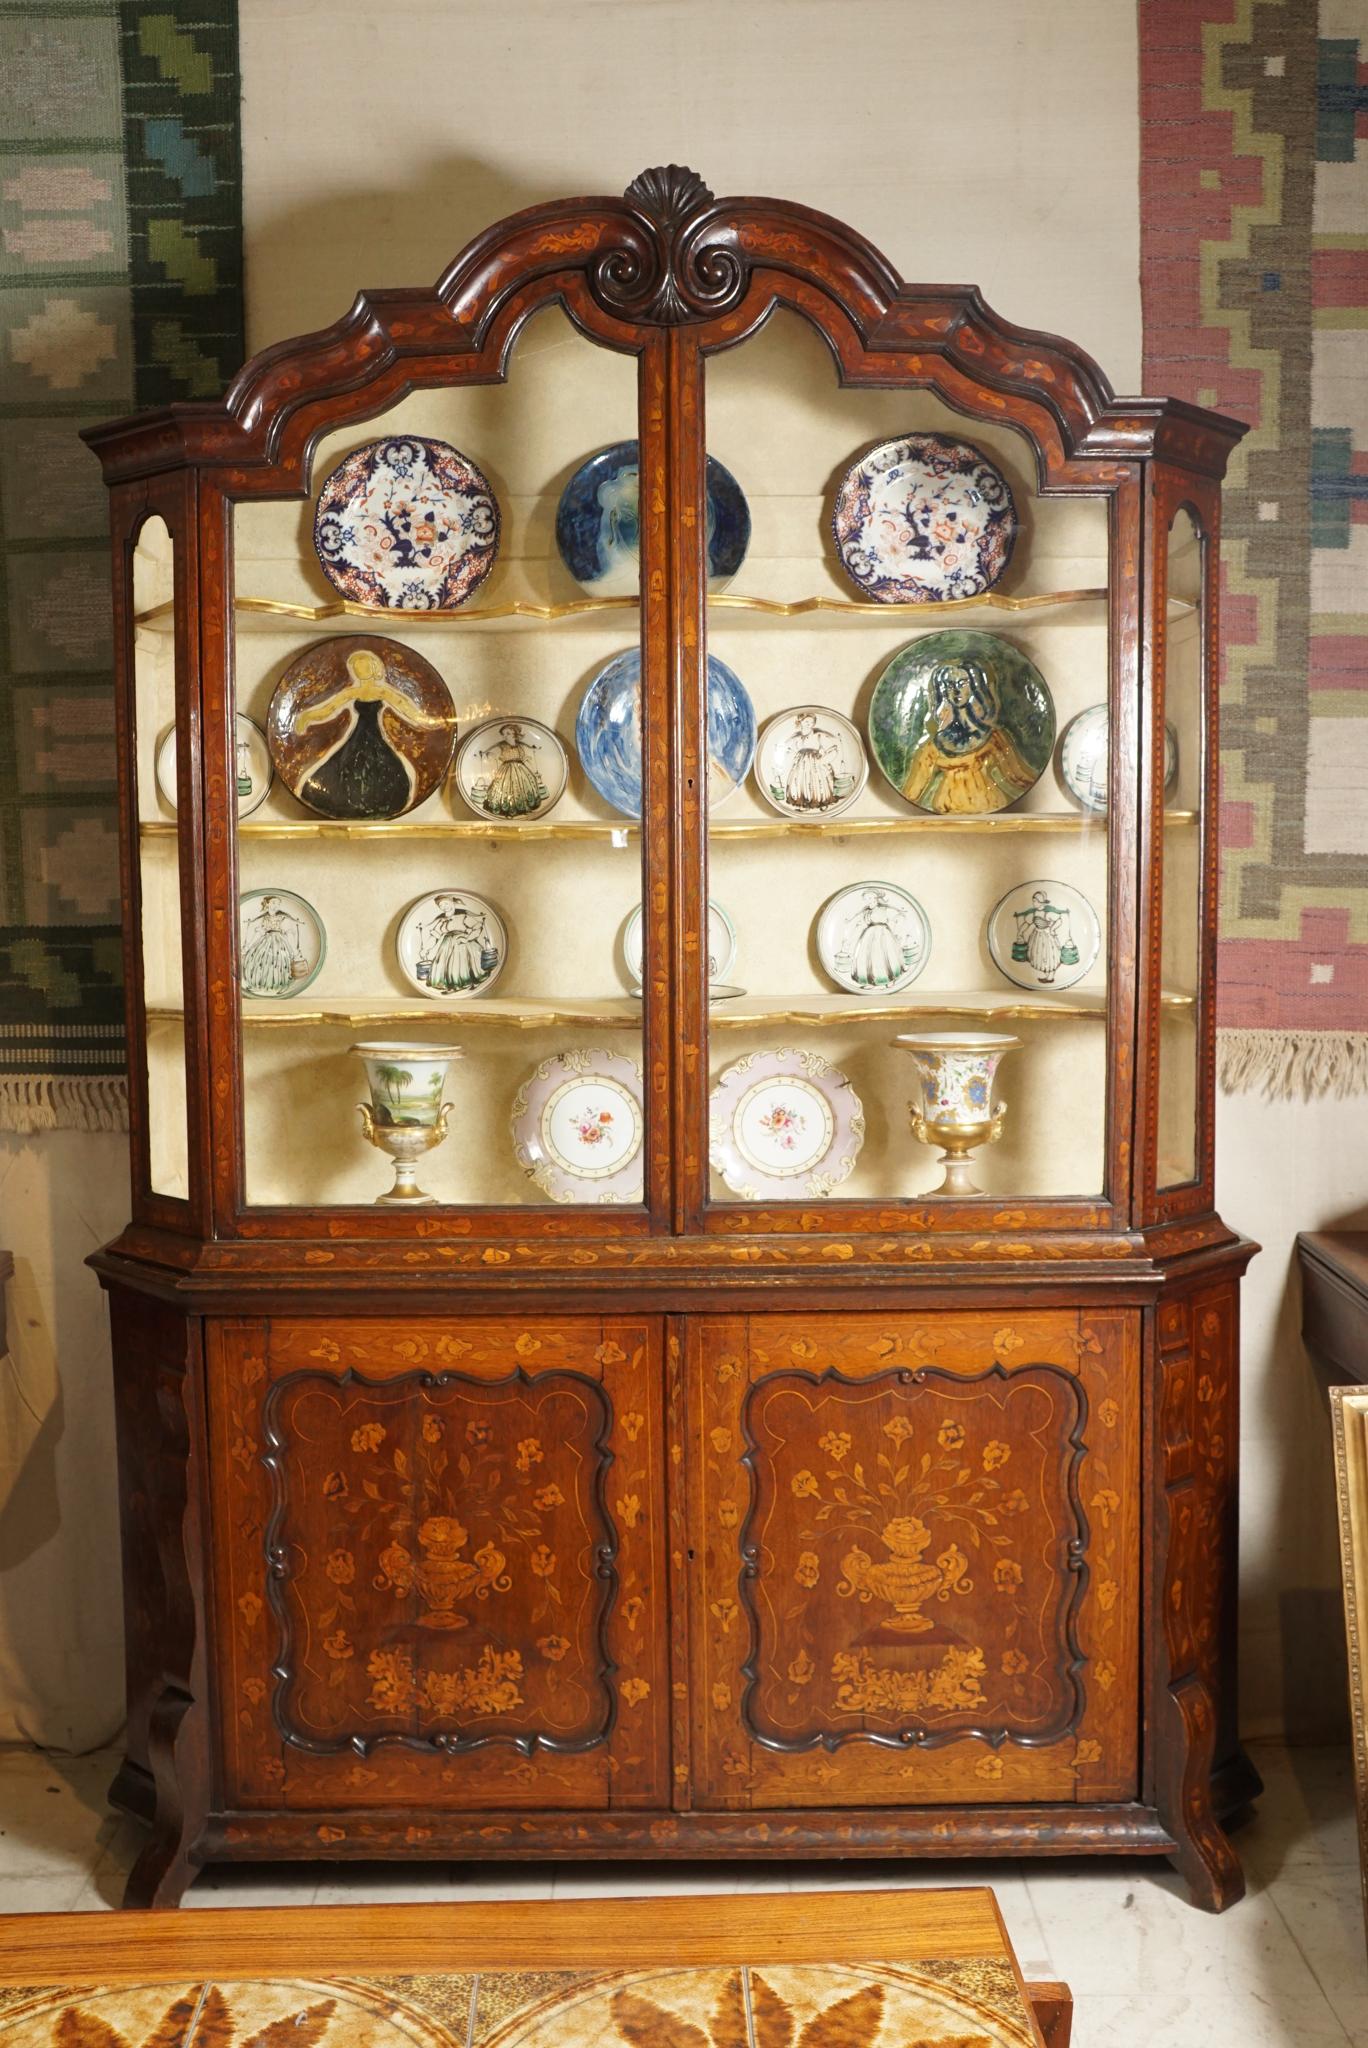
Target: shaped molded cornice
(665,255)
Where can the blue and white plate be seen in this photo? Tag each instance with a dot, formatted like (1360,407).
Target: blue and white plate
(608,732)
(598,524)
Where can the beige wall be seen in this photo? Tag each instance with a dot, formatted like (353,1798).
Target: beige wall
(970,141)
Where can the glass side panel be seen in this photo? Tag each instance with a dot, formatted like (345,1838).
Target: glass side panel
(1182,894)
(154,687)
(465,906)
(921,848)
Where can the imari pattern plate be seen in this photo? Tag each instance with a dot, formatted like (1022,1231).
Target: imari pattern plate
(408,523)
(785,1125)
(578,1125)
(924,518)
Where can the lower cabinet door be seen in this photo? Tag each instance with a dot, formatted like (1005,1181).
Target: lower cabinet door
(915,1550)
(438,1564)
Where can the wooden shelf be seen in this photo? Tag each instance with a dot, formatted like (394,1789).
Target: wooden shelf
(280,615)
(623,1013)
(726,831)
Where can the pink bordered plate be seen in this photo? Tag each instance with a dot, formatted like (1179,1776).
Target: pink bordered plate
(578,1126)
(785,1125)
(408,523)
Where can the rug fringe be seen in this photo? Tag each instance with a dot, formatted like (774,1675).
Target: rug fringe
(1282,1065)
(52,1102)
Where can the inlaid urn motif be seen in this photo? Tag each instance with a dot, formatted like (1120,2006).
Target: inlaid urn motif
(903,1580)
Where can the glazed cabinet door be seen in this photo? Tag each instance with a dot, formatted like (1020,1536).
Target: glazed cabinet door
(439,1569)
(916,1552)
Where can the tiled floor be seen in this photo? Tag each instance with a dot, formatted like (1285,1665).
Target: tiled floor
(1284,1969)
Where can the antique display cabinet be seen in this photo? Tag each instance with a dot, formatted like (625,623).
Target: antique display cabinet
(707,1467)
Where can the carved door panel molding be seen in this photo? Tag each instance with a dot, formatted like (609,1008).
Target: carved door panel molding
(443,1574)
(916,1558)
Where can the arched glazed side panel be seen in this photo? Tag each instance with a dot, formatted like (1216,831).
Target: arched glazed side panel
(157,713)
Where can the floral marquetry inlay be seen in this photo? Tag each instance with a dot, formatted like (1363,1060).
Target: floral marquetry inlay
(442,1558)
(916,1542)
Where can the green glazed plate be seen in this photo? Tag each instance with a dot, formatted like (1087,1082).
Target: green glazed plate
(961,723)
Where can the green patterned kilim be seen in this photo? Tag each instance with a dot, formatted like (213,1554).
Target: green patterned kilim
(120,287)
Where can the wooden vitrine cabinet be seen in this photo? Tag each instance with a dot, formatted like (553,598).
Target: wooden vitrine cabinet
(748,1508)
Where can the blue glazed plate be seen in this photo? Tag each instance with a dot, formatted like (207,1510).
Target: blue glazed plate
(608,732)
(598,527)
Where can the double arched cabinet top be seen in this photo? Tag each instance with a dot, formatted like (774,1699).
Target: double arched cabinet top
(667,265)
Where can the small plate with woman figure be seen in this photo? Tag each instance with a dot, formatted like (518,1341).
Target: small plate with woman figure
(1044,935)
(451,944)
(281,942)
(810,763)
(511,770)
(873,938)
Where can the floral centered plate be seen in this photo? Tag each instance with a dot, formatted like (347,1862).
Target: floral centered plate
(873,938)
(784,1125)
(1044,935)
(408,523)
(451,943)
(361,727)
(511,770)
(281,942)
(577,1126)
(721,944)
(961,723)
(1083,755)
(253,772)
(810,763)
(598,524)
(608,732)
(924,518)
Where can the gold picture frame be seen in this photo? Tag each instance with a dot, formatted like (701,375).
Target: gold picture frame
(1349,1417)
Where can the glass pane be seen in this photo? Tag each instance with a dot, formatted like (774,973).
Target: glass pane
(154,686)
(906,858)
(463,904)
(1182,855)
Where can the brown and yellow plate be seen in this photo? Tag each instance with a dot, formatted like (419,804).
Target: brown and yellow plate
(361,727)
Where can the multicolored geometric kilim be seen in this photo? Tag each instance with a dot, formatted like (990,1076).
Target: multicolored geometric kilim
(120,286)
(1254,241)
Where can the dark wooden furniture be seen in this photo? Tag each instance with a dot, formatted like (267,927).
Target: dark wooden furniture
(938,1964)
(1334,1276)
(869,1522)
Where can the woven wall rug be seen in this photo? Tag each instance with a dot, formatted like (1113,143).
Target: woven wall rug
(120,287)
(1254,274)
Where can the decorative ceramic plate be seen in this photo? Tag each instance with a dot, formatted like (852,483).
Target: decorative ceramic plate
(721,944)
(961,723)
(1083,757)
(784,1125)
(608,732)
(598,528)
(281,942)
(578,1125)
(924,518)
(253,766)
(873,938)
(407,523)
(511,769)
(451,943)
(1044,935)
(810,763)
(361,727)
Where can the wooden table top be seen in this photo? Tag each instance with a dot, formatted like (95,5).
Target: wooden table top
(1334,1269)
(797,1970)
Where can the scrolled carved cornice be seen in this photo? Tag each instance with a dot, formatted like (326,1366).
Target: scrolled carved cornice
(676,260)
